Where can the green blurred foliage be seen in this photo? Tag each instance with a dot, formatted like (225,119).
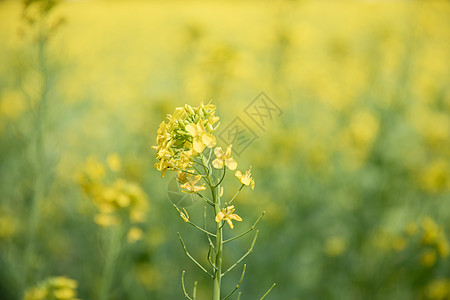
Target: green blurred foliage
(354,175)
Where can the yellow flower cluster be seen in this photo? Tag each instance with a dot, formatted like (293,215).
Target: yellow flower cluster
(58,288)
(119,201)
(437,243)
(438,289)
(431,237)
(186,133)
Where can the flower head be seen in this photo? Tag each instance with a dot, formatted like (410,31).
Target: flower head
(246,179)
(224,158)
(227,215)
(184,135)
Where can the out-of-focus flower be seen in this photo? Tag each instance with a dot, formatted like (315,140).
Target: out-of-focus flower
(411,229)
(58,288)
(227,215)
(438,289)
(114,163)
(335,246)
(224,158)
(246,179)
(118,202)
(134,234)
(428,258)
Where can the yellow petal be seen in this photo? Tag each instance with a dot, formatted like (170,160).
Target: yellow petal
(231,163)
(217,163)
(230,223)
(198,145)
(219,217)
(218,152)
(209,140)
(235,217)
(228,152)
(192,129)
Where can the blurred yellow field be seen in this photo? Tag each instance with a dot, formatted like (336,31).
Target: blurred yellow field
(351,162)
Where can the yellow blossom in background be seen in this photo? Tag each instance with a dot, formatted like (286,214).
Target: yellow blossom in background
(428,258)
(106,220)
(94,169)
(399,244)
(12,104)
(411,228)
(438,289)
(57,288)
(431,231)
(227,215)
(134,234)
(118,202)
(246,179)
(224,158)
(335,246)
(114,163)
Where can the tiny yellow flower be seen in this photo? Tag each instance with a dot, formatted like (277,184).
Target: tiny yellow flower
(134,234)
(224,158)
(246,179)
(227,215)
(190,186)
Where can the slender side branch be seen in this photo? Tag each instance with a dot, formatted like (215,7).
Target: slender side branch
(201,229)
(223,176)
(192,258)
(243,256)
(186,219)
(244,233)
(237,285)
(209,258)
(194,292)
(206,199)
(268,291)
(186,295)
(235,195)
(239,296)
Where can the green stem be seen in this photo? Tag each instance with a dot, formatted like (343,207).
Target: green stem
(111,257)
(219,238)
(39,157)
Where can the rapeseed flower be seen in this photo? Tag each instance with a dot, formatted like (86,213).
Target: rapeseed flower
(227,215)
(246,179)
(191,187)
(224,158)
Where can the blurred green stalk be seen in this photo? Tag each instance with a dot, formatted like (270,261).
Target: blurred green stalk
(40,176)
(115,237)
